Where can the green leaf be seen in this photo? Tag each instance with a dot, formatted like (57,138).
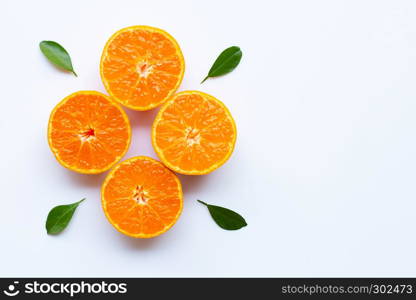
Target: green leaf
(227,61)
(224,217)
(56,54)
(59,217)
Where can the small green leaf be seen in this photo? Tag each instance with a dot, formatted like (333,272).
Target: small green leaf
(224,217)
(59,217)
(227,61)
(56,54)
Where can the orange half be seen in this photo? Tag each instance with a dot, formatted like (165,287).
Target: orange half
(88,133)
(141,67)
(194,133)
(141,197)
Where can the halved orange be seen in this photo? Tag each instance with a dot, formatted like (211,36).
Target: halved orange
(141,67)
(141,197)
(88,132)
(194,133)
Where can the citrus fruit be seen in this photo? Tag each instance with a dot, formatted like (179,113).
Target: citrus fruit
(88,133)
(141,66)
(193,133)
(141,197)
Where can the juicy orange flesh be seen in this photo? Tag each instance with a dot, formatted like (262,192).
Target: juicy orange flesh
(142,197)
(141,67)
(88,132)
(194,132)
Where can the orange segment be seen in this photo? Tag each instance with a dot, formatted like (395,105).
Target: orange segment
(142,198)
(141,66)
(88,133)
(194,133)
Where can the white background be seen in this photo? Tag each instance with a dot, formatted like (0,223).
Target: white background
(324,167)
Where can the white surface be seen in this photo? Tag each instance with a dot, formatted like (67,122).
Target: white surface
(324,167)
